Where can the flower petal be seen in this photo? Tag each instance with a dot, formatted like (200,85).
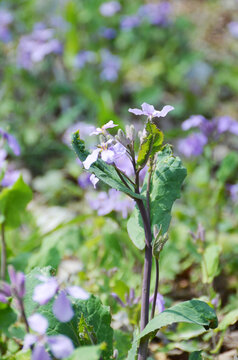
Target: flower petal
(78,293)
(39,353)
(94,180)
(109,125)
(136,111)
(166,109)
(29,340)
(61,346)
(148,109)
(62,308)
(108,156)
(91,158)
(44,292)
(38,323)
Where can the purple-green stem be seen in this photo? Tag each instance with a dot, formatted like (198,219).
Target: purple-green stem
(3,254)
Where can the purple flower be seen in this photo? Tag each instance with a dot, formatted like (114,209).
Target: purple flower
(130,299)
(233,28)
(16,287)
(60,346)
(6,19)
(34,47)
(62,308)
(160,303)
(12,142)
(227,124)
(103,129)
(110,65)
(108,33)
(110,8)
(109,153)
(233,190)
(156,13)
(111,201)
(84,180)
(130,22)
(84,57)
(193,121)
(150,111)
(192,145)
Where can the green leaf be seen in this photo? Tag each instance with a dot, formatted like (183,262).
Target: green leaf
(122,343)
(165,189)
(229,319)
(132,354)
(196,355)
(96,315)
(210,264)
(228,168)
(151,143)
(86,353)
(103,171)
(13,202)
(8,317)
(192,311)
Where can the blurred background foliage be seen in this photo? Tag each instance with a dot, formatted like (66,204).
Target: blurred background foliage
(69,62)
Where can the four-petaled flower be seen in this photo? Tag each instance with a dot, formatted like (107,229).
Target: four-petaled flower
(103,129)
(60,346)
(109,153)
(150,111)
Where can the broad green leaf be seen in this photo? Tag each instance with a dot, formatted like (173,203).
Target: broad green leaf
(102,170)
(228,168)
(196,355)
(192,311)
(96,315)
(8,317)
(13,201)
(165,189)
(122,342)
(210,263)
(86,353)
(229,319)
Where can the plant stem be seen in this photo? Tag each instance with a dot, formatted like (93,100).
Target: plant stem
(156,289)
(3,254)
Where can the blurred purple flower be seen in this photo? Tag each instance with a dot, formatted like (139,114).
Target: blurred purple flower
(84,57)
(12,142)
(84,131)
(130,22)
(16,288)
(84,180)
(111,201)
(6,19)
(193,121)
(110,65)
(34,47)
(108,152)
(108,33)
(10,177)
(130,299)
(200,234)
(227,124)
(192,145)
(150,111)
(233,190)
(233,28)
(60,346)
(160,303)
(110,8)
(156,13)
(62,308)
(198,75)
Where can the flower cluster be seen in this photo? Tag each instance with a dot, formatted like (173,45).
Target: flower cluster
(34,47)
(193,145)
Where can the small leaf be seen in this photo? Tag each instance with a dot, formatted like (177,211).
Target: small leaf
(210,264)
(192,311)
(8,317)
(196,355)
(229,319)
(103,171)
(13,201)
(132,354)
(87,335)
(145,150)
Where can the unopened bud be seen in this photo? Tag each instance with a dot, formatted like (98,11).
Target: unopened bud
(121,137)
(115,354)
(101,138)
(130,132)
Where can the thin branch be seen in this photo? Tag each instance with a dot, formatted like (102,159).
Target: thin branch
(156,289)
